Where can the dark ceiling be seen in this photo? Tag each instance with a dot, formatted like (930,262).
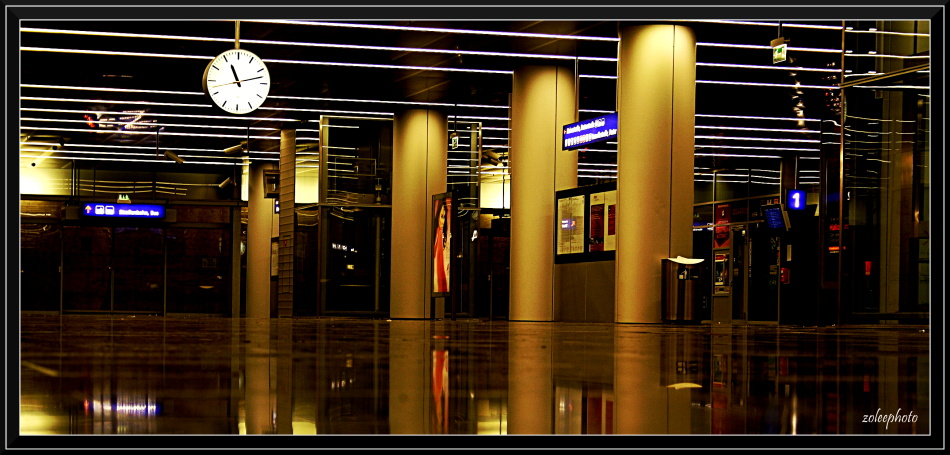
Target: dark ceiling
(145,76)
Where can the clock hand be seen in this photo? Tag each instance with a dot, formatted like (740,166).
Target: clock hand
(237,80)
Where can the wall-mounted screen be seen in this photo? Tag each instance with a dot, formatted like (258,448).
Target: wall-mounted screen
(775,216)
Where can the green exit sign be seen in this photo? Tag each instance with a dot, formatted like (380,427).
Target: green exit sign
(779,48)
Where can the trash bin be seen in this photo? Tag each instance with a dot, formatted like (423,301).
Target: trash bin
(681,277)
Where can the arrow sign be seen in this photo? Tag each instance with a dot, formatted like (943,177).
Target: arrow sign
(88,208)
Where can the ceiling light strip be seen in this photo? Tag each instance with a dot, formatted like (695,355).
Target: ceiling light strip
(397,67)
(300,62)
(763,84)
(110,89)
(321,45)
(155,114)
(740,128)
(764,139)
(441,30)
(101,101)
(114,53)
(149,125)
(753,148)
(763,46)
(142,161)
(143,148)
(883,32)
(731,155)
(771,24)
(788,68)
(749,117)
(148,133)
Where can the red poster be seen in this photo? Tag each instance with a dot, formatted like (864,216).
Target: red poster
(723,217)
(597,227)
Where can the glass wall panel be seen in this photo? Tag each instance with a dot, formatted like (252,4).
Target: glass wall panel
(199,270)
(40,249)
(87,268)
(139,271)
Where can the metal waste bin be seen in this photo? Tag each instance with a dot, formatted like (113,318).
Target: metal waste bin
(681,277)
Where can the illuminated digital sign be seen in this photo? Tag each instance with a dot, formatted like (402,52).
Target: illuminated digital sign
(591,131)
(796,200)
(106,210)
(775,217)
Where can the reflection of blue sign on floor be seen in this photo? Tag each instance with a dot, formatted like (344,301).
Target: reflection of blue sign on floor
(124,210)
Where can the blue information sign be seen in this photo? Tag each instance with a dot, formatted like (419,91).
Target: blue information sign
(591,131)
(796,200)
(108,210)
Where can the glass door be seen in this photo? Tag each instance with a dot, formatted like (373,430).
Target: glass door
(356,276)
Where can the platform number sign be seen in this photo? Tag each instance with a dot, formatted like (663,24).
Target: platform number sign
(796,200)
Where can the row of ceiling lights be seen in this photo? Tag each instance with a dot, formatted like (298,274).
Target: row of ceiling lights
(455,51)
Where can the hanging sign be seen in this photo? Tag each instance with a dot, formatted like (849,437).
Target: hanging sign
(580,134)
(796,200)
(99,209)
(779,50)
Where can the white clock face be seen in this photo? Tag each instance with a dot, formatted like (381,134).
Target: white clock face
(237,81)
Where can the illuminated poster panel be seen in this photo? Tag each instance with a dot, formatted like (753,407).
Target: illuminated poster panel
(570,229)
(603,214)
(442,216)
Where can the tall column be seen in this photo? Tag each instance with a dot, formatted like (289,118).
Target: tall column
(285,248)
(420,151)
(543,100)
(260,220)
(656,91)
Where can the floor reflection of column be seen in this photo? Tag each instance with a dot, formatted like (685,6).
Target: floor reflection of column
(530,379)
(258,415)
(285,375)
(237,385)
(409,392)
(641,400)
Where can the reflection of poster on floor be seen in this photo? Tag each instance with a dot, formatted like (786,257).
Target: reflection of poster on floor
(570,228)
(610,240)
(597,222)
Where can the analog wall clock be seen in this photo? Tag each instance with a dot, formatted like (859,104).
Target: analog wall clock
(237,81)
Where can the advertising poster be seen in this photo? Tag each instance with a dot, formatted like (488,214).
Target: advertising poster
(722,217)
(570,229)
(442,243)
(597,220)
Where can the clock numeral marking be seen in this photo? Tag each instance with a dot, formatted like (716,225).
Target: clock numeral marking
(249,105)
(215,67)
(262,69)
(263,83)
(215,93)
(224,103)
(259,96)
(238,56)
(251,60)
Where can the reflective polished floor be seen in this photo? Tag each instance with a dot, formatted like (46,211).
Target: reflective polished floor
(193,375)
